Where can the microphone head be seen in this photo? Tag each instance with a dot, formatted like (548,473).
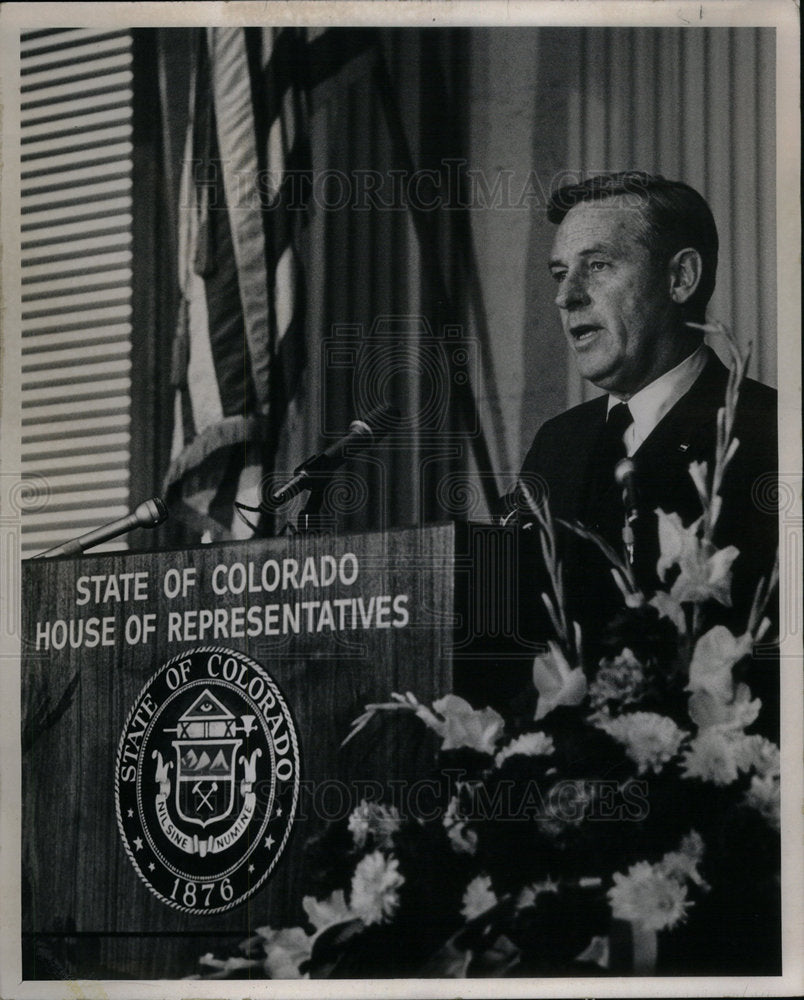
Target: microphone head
(623,471)
(376,423)
(151,512)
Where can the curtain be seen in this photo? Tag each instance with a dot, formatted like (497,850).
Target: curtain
(696,105)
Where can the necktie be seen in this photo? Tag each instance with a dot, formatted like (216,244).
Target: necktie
(611,450)
(617,423)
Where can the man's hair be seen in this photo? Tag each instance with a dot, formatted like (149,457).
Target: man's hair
(676,217)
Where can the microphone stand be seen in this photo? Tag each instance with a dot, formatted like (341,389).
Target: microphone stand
(311,520)
(316,473)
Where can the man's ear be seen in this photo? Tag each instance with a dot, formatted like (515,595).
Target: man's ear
(684,270)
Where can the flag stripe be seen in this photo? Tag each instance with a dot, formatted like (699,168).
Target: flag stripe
(223,325)
(288,166)
(234,118)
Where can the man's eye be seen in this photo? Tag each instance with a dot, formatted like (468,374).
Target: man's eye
(558,276)
(598,265)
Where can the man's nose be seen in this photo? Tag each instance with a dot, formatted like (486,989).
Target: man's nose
(572,291)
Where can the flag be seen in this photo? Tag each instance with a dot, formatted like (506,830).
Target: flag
(286,81)
(238,347)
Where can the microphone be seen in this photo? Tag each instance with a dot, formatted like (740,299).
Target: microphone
(362,434)
(148,514)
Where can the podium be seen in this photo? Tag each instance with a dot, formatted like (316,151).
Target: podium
(125,780)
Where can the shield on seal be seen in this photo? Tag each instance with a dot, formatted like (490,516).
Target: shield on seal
(206,749)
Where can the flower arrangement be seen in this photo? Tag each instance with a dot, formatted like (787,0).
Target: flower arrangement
(634,814)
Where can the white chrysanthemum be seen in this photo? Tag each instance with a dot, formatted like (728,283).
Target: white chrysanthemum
(762,756)
(619,680)
(380,821)
(375,888)
(478,898)
(650,740)
(649,897)
(683,864)
(764,796)
(714,755)
(529,745)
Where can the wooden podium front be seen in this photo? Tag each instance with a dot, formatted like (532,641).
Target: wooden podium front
(335,621)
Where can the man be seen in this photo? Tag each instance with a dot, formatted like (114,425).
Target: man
(634,261)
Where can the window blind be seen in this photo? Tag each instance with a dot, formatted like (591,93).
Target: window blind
(76,265)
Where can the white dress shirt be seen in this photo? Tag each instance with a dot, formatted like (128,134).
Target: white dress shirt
(650,404)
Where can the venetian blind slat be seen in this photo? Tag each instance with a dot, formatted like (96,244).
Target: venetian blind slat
(72,246)
(43,147)
(48,286)
(96,216)
(71,427)
(57,465)
(84,482)
(62,40)
(52,343)
(100,443)
(113,495)
(90,319)
(76,216)
(58,162)
(88,373)
(76,193)
(40,414)
(81,176)
(103,264)
(60,96)
(83,393)
(96,56)
(92,121)
(57,360)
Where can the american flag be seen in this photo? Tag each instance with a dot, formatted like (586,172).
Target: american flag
(239,343)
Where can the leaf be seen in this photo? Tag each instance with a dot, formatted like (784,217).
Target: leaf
(330,946)
(495,961)
(449,962)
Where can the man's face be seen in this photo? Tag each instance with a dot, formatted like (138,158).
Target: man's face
(613,298)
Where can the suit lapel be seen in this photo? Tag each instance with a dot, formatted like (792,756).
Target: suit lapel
(579,461)
(686,434)
(689,423)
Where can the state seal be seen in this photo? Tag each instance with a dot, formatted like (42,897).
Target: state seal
(207,780)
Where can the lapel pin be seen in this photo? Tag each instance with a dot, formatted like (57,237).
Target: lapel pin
(683,447)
